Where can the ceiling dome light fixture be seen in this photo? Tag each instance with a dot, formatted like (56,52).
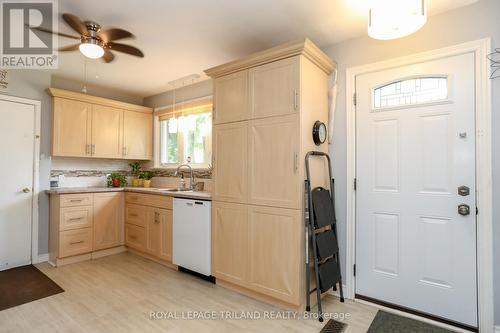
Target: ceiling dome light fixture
(392,19)
(91,48)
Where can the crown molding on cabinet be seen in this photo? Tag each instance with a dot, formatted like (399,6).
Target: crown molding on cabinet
(303,47)
(54,92)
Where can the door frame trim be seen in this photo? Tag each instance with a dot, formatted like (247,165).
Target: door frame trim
(480,48)
(36,169)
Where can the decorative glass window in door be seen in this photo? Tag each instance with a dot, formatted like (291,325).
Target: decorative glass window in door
(413,91)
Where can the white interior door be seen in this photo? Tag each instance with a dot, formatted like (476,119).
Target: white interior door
(415,149)
(17,140)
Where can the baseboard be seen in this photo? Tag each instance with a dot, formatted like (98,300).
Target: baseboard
(497,329)
(42,258)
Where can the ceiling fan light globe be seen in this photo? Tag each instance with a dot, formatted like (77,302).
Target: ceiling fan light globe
(92,51)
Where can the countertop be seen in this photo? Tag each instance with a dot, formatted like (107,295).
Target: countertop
(151,190)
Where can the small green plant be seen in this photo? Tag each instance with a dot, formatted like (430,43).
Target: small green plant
(135,169)
(116,179)
(146,175)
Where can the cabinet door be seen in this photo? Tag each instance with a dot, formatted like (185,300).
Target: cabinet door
(107,125)
(166,223)
(137,135)
(231,98)
(273,174)
(71,126)
(230,162)
(108,220)
(274,247)
(229,242)
(153,231)
(274,88)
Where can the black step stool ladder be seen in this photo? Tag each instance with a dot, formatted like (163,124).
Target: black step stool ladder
(320,223)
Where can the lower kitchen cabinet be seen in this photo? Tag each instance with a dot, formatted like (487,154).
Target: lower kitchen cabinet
(108,220)
(135,237)
(258,248)
(159,233)
(274,252)
(229,235)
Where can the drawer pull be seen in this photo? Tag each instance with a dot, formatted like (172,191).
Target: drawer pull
(74,243)
(134,198)
(133,215)
(76,200)
(132,237)
(76,219)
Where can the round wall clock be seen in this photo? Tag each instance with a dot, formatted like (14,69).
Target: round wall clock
(319,132)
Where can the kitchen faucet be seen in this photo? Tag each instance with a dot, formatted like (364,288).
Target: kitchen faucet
(192,182)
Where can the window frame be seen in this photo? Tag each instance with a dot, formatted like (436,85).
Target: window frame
(447,100)
(205,102)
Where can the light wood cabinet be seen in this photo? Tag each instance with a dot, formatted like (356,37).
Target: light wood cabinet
(273,158)
(107,125)
(71,127)
(230,239)
(137,135)
(231,98)
(89,126)
(108,220)
(231,159)
(135,237)
(274,88)
(74,242)
(287,92)
(159,233)
(274,252)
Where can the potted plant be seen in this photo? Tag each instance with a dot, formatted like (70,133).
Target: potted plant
(116,179)
(146,178)
(136,171)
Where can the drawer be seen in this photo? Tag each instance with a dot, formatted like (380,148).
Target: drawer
(73,200)
(75,218)
(136,214)
(73,242)
(135,237)
(160,201)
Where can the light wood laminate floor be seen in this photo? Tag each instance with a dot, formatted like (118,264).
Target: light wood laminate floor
(118,293)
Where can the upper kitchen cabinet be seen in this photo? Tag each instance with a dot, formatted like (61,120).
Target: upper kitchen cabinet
(231,98)
(71,128)
(274,88)
(137,135)
(89,126)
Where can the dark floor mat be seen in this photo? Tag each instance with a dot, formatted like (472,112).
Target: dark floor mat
(25,284)
(386,322)
(333,326)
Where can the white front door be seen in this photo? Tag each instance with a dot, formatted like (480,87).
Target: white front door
(17,140)
(415,198)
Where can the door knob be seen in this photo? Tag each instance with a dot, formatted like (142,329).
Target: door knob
(26,190)
(463,209)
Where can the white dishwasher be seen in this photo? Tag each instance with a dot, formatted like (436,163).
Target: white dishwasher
(192,234)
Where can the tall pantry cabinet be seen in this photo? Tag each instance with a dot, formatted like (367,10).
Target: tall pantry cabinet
(265,106)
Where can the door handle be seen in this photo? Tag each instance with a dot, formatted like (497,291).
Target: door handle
(26,190)
(463,209)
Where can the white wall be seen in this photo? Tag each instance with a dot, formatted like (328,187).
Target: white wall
(473,22)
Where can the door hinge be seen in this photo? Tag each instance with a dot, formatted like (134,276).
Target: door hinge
(354,99)
(355,184)
(354,269)
(477,211)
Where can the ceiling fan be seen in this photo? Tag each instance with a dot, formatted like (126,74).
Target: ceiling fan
(95,43)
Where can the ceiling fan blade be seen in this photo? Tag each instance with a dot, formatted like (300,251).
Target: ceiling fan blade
(108,56)
(114,34)
(53,32)
(75,23)
(73,47)
(125,49)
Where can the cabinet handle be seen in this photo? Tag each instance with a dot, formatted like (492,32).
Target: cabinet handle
(87,149)
(93,149)
(295,99)
(74,243)
(124,151)
(295,162)
(76,219)
(132,237)
(213,113)
(157,217)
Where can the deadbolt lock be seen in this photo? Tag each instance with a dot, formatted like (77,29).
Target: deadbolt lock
(463,190)
(463,209)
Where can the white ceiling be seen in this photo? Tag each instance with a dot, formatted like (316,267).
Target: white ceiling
(187,36)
